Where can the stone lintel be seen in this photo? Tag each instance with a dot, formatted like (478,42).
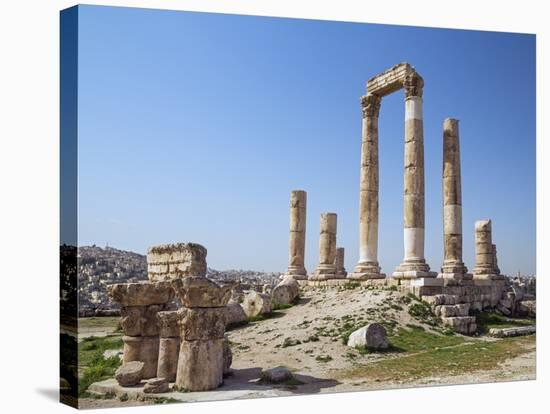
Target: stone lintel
(389,81)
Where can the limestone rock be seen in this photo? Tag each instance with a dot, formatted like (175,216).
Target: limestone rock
(156,386)
(141,293)
(227,356)
(255,304)
(168,358)
(275,375)
(234,315)
(200,292)
(516,331)
(286,292)
(372,336)
(461,324)
(202,323)
(528,308)
(176,261)
(200,365)
(129,373)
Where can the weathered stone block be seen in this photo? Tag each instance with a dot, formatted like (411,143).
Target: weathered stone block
(200,365)
(140,294)
(202,323)
(175,261)
(200,292)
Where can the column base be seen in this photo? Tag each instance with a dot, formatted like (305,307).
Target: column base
(341,275)
(454,267)
(413,269)
(366,271)
(297,272)
(323,272)
(488,276)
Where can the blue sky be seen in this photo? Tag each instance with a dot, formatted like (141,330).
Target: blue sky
(196,127)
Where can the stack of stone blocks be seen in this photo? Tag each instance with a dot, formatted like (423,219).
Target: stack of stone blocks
(185,346)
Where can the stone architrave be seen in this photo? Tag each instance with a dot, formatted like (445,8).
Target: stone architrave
(453,266)
(485,266)
(327,248)
(175,261)
(339,263)
(140,304)
(297,237)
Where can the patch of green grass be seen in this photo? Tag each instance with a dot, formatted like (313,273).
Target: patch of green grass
(90,348)
(95,396)
(281,306)
(488,320)
(466,358)
(163,400)
(422,312)
(124,397)
(99,322)
(416,339)
(99,369)
(323,358)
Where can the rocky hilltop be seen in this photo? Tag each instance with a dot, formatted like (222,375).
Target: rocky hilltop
(99,267)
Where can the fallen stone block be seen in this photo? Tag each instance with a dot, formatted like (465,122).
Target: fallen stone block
(129,373)
(275,375)
(256,304)
(516,331)
(156,386)
(372,336)
(286,292)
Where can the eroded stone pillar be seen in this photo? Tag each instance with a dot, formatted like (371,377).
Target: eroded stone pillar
(453,266)
(297,240)
(368,267)
(414,264)
(327,248)
(202,323)
(169,345)
(485,266)
(140,304)
(339,263)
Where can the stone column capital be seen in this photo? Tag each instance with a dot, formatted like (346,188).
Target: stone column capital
(413,85)
(370,105)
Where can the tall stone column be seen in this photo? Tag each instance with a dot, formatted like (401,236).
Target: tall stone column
(327,248)
(414,264)
(339,263)
(453,266)
(297,240)
(485,266)
(368,267)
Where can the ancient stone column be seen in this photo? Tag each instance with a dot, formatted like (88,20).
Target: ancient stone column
(140,303)
(484,268)
(453,266)
(339,263)
(202,328)
(414,264)
(368,267)
(327,248)
(169,345)
(297,240)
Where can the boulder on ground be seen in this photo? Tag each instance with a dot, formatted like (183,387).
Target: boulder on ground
(256,304)
(516,331)
(129,373)
(528,308)
(372,336)
(234,314)
(156,386)
(227,357)
(275,375)
(286,292)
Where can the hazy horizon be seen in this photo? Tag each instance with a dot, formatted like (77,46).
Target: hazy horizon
(195,127)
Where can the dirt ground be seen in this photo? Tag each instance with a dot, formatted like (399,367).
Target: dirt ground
(307,339)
